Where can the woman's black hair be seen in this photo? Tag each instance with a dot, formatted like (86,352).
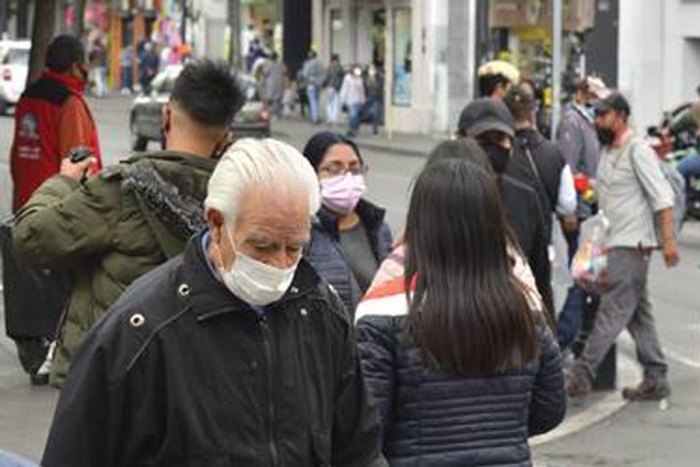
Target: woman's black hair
(319,144)
(468,313)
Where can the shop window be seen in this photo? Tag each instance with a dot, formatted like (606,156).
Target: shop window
(401,92)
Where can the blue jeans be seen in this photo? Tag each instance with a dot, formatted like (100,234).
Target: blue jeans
(127,81)
(375,108)
(690,167)
(332,105)
(354,118)
(571,316)
(312,94)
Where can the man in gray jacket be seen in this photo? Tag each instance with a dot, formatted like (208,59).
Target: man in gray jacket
(578,141)
(633,195)
(313,74)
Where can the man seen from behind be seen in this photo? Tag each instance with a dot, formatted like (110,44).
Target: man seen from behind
(132,216)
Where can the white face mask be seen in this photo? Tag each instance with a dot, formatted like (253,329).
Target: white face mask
(256,283)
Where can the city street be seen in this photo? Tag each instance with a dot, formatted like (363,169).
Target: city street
(640,435)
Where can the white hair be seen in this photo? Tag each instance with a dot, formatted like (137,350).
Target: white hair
(266,163)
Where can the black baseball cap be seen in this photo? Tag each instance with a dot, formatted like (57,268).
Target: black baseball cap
(485,114)
(615,101)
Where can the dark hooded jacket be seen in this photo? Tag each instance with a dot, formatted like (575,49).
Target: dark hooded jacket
(181,373)
(109,231)
(326,255)
(542,172)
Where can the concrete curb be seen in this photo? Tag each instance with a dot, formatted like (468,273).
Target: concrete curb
(608,405)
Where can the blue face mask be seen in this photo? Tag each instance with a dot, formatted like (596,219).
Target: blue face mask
(590,111)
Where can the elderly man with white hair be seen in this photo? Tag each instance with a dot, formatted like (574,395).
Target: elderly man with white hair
(233,353)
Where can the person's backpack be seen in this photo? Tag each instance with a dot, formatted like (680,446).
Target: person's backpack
(677,182)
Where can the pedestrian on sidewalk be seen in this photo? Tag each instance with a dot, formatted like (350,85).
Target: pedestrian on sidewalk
(98,65)
(134,216)
(496,78)
(301,93)
(352,97)
(233,353)
(349,237)
(148,66)
(578,141)
(634,194)
(314,76)
(126,65)
(52,120)
(464,340)
(489,121)
(538,163)
(273,84)
(374,88)
(332,85)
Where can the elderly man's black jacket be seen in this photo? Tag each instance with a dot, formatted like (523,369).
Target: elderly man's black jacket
(181,373)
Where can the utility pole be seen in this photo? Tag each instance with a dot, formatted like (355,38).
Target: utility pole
(3,16)
(183,24)
(234,24)
(79,18)
(42,33)
(557,29)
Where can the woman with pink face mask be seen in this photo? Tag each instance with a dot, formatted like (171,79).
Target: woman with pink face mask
(349,238)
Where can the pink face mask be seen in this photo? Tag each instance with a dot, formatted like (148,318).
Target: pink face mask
(342,193)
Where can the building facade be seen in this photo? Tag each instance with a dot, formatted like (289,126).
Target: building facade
(659,50)
(426,82)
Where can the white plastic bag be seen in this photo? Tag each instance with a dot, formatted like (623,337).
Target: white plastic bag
(591,260)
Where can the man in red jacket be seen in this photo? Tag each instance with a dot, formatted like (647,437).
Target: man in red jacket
(51,120)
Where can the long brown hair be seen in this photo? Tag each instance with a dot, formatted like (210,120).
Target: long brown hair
(468,313)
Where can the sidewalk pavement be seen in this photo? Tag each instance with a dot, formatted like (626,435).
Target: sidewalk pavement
(403,144)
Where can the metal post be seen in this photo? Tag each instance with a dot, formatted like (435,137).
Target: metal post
(183,24)
(234,24)
(557,27)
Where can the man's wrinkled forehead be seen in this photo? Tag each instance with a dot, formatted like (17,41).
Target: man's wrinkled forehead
(281,208)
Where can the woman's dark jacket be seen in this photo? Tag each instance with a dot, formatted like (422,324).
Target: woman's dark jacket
(180,373)
(326,255)
(432,418)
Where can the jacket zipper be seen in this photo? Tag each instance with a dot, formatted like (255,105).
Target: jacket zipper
(271,406)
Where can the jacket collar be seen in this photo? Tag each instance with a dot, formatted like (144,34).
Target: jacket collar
(71,82)
(210,298)
(529,137)
(185,158)
(370,215)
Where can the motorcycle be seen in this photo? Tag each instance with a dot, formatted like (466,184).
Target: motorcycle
(673,143)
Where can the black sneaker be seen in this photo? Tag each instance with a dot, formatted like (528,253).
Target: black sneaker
(39,379)
(648,390)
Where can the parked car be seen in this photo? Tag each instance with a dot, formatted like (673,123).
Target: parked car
(14,65)
(146,120)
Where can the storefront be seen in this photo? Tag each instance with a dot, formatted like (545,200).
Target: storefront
(394,35)
(520,31)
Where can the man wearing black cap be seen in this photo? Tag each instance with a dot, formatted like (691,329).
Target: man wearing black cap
(489,122)
(633,194)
